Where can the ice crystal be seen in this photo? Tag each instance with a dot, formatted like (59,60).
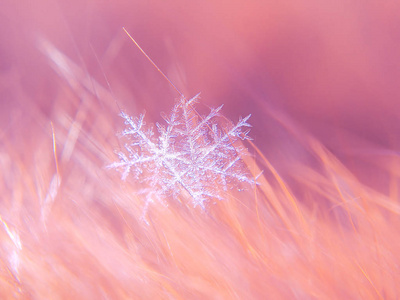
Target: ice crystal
(192,154)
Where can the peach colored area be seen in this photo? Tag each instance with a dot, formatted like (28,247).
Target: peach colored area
(320,79)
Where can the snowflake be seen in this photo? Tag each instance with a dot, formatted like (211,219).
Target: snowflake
(192,154)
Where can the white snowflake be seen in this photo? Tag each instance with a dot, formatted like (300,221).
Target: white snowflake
(192,155)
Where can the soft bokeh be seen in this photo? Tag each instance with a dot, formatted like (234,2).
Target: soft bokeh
(320,79)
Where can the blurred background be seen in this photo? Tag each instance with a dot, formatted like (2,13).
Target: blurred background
(333,66)
(327,69)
